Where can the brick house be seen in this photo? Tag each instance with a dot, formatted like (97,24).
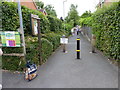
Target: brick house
(105,2)
(30,4)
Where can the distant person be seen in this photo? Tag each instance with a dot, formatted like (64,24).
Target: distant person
(78,30)
(61,18)
(75,30)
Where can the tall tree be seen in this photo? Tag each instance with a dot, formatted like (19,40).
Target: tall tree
(39,4)
(50,10)
(73,15)
(86,14)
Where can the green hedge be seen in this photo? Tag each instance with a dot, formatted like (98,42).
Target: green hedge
(10,18)
(33,49)
(10,22)
(54,38)
(55,23)
(47,49)
(105,23)
(12,63)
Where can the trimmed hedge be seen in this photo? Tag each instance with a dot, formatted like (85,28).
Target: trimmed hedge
(47,49)
(105,23)
(10,22)
(107,30)
(55,23)
(12,63)
(10,18)
(54,38)
(33,49)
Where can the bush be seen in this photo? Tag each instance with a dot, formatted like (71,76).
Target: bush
(47,49)
(68,28)
(12,63)
(10,18)
(105,25)
(55,23)
(33,49)
(54,39)
(10,22)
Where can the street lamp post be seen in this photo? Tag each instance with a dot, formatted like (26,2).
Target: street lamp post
(64,13)
(21,27)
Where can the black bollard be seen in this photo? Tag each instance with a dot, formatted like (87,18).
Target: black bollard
(78,48)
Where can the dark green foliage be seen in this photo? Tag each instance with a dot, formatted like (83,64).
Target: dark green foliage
(47,49)
(32,49)
(54,38)
(50,10)
(107,29)
(105,23)
(55,23)
(86,19)
(12,50)
(10,18)
(40,4)
(26,20)
(73,17)
(12,63)
(10,22)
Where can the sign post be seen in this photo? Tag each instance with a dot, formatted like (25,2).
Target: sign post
(39,40)
(35,22)
(64,41)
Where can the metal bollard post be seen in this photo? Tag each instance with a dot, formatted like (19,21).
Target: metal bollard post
(78,48)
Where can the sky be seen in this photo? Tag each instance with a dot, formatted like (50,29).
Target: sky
(83,5)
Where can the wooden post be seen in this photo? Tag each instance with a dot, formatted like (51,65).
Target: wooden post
(93,41)
(39,40)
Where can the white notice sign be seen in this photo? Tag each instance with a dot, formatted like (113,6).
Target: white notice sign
(64,40)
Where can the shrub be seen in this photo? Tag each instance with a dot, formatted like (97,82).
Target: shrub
(105,25)
(12,63)
(10,18)
(54,39)
(55,23)
(47,49)
(10,22)
(33,49)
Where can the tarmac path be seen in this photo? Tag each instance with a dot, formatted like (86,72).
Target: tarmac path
(63,70)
